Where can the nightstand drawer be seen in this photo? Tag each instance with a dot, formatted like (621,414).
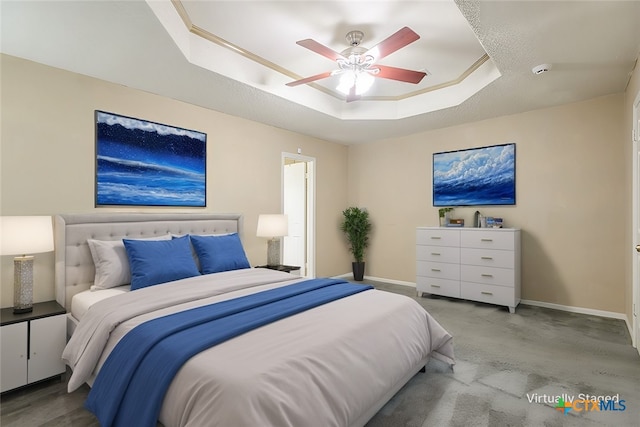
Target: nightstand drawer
(446,254)
(437,237)
(488,275)
(495,239)
(430,285)
(488,293)
(438,269)
(487,257)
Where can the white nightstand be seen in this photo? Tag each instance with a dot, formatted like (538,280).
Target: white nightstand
(32,345)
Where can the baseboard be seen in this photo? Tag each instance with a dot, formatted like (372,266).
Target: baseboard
(393,282)
(377,279)
(580,310)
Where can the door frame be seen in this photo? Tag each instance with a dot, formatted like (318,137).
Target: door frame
(635,285)
(311,206)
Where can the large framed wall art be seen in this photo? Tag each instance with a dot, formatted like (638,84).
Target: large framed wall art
(475,177)
(142,163)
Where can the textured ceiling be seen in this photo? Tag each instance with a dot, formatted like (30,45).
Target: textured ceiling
(592,45)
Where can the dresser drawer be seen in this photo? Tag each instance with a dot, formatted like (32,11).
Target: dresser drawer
(437,237)
(487,257)
(430,285)
(438,269)
(488,239)
(488,275)
(488,293)
(446,254)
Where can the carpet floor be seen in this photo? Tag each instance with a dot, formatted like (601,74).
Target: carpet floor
(510,368)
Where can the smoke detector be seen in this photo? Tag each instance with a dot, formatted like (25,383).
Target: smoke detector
(542,68)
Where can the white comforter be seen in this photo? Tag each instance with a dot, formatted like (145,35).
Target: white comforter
(324,367)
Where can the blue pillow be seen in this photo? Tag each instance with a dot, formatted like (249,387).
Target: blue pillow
(159,261)
(220,253)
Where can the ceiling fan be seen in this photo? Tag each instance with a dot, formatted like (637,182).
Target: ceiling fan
(358,66)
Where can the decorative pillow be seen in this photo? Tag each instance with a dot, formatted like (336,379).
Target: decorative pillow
(111,262)
(220,253)
(155,262)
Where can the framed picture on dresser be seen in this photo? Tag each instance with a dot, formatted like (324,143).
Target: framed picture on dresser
(143,163)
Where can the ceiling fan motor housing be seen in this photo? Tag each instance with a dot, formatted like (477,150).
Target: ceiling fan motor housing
(354,38)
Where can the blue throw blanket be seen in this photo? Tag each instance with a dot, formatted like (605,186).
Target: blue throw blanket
(132,383)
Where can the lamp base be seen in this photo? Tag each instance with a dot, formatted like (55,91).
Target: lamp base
(23,284)
(273,252)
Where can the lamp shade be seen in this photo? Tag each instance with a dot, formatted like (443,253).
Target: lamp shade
(272,225)
(21,235)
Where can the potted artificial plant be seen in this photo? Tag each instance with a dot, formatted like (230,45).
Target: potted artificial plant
(442,213)
(356,227)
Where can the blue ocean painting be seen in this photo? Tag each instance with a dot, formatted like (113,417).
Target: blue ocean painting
(479,176)
(141,163)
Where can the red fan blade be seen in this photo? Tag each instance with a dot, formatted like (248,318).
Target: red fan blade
(310,79)
(321,49)
(399,74)
(396,41)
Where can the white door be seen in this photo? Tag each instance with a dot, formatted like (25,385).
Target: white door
(294,200)
(636,223)
(298,202)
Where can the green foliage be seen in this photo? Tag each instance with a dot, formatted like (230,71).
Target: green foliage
(356,227)
(442,211)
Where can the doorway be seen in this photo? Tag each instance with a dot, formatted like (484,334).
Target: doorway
(298,203)
(636,224)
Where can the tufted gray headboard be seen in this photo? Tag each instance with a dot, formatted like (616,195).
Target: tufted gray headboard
(74,269)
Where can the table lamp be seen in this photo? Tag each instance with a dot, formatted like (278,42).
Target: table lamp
(21,235)
(273,226)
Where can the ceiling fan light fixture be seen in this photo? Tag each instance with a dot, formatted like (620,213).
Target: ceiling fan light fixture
(360,79)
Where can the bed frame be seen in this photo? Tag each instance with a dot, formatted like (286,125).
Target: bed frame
(74,269)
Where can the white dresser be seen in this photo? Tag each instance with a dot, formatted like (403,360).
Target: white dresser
(479,264)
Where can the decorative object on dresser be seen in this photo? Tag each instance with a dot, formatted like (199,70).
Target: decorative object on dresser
(273,227)
(356,226)
(476,176)
(479,265)
(32,344)
(443,215)
(142,163)
(21,235)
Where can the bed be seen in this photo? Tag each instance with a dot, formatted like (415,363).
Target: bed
(335,364)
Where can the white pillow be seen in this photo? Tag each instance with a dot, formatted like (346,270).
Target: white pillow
(111,262)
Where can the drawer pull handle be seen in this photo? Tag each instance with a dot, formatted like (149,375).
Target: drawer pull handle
(486,275)
(435,269)
(486,293)
(486,257)
(435,237)
(486,240)
(435,286)
(435,253)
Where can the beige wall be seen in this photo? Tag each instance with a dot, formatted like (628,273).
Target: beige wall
(572,194)
(47,160)
(573,180)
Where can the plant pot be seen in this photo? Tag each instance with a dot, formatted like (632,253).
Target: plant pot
(358,270)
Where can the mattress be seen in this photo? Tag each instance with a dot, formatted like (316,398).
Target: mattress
(81,302)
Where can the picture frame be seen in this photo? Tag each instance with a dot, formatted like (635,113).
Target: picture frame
(144,163)
(483,176)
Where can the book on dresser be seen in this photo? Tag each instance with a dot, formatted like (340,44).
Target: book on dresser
(478,264)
